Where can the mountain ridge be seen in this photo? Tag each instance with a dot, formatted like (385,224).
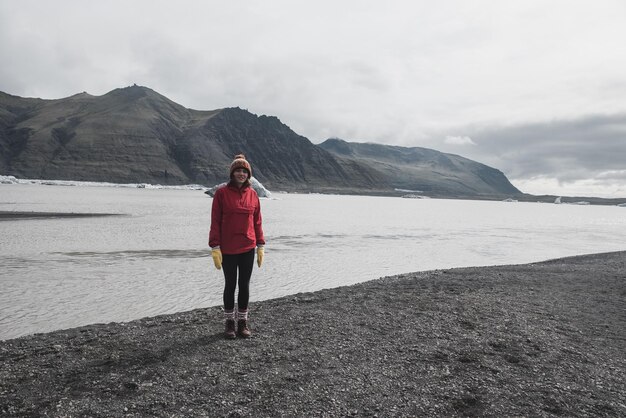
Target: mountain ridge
(135,134)
(425,169)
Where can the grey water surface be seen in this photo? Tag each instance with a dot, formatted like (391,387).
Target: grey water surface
(153,258)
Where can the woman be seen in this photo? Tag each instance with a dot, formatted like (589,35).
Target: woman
(236,229)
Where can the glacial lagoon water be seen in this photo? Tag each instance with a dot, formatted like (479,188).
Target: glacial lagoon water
(153,258)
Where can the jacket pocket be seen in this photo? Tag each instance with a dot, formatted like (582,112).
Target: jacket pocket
(242,222)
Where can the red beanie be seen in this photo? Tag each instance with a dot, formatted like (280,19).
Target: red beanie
(240,162)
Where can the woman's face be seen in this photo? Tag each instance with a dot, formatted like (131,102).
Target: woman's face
(240,176)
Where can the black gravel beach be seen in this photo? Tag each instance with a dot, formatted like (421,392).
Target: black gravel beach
(542,339)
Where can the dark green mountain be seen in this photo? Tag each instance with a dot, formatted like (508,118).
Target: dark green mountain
(135,135)
(432,172)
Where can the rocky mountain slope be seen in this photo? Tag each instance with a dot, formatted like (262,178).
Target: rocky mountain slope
(425,170)
(136,135)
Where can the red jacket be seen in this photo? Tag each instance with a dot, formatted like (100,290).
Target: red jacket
(236,225)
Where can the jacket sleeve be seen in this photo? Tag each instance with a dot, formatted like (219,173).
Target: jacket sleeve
(215,233)
(258,224)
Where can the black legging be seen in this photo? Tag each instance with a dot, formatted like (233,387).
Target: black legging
(230,263)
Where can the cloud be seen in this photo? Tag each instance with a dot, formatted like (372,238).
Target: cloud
(569,149)
(346,69)
(586,153)
(585,187)
(414,73)
(458,140)
(619,175)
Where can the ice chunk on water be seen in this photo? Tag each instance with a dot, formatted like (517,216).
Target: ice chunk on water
(256,185)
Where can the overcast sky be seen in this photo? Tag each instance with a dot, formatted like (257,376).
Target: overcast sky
(536,89)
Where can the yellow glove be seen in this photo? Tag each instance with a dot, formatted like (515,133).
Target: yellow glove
(217,258)
(260,251)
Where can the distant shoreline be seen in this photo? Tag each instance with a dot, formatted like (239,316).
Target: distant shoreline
(537,339)
(17,215)
(283,188)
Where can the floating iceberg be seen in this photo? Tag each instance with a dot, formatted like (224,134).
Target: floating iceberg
(408,191)
(13,180)
(256,185)
(8,180)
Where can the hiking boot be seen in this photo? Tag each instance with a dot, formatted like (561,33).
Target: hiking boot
(242,328)
(229,333)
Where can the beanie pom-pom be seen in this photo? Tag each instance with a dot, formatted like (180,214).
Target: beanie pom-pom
(240,156)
